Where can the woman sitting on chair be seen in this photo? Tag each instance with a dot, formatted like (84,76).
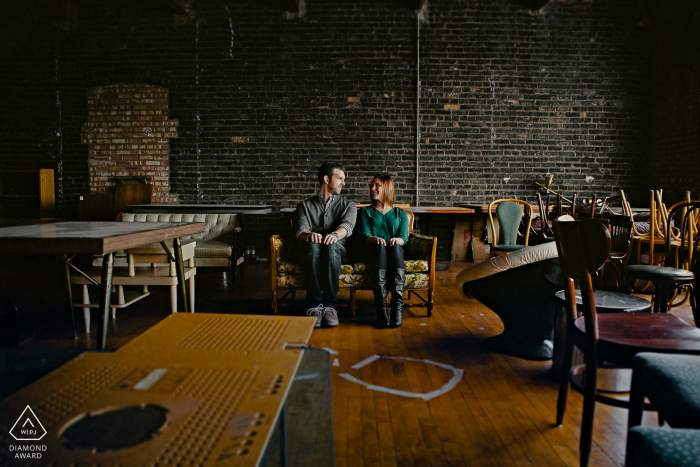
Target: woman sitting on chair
(386,228)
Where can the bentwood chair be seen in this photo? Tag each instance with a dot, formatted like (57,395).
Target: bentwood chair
(620,227)
(680,269)
(606,340)
(542,227)
(509,215)
(671,383)
(653,235)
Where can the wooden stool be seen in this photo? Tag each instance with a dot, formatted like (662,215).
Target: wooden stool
(134,274)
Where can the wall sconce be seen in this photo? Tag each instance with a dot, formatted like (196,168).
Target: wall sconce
(589,179)
(506,179)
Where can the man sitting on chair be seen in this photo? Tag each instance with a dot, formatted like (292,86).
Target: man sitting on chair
(323,223)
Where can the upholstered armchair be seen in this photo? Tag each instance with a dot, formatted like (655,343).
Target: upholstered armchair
(419,252)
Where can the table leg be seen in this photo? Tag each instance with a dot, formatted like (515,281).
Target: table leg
(70,300)
(105,300)
(283,436)
(438,266)
(182,283)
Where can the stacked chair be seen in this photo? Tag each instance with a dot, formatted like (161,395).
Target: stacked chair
(620,227)
(680,258)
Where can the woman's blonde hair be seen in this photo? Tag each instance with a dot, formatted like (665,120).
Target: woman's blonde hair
(388,187)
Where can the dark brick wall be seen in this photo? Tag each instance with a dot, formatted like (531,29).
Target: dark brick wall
(676,91)
(262,100)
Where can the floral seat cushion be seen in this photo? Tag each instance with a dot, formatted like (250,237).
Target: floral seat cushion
(419,252)
(357,275)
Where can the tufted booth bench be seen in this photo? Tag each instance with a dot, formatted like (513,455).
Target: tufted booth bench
(419,254)
(214,246)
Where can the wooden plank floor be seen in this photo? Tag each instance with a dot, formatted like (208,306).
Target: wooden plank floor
(500,413)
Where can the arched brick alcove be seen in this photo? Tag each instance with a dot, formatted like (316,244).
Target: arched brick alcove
(128,133)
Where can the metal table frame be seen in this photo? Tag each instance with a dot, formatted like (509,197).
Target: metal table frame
(69,238)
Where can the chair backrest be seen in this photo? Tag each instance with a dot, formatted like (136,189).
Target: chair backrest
(545,229)
(411,219)
(509,215)
(125,195)
(583,248)
(689,247)
(620,232)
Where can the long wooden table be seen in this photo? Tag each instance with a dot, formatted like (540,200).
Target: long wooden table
(103,238)
(203,208)
(196,389)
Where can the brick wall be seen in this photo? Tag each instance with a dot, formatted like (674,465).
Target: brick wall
(127,132)
(675,165)
(262,100)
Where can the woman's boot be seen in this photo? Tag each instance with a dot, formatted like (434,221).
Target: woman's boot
(397,298)
(380,294)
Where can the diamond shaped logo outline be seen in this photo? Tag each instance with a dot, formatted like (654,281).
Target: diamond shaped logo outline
(28,419)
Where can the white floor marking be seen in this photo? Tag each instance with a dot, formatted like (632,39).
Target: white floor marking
(366,361)
(307,376)
(456,378)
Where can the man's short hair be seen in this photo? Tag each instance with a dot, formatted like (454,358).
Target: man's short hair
(327,168)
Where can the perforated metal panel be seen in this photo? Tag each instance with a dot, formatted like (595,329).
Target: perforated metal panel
(183,333)
(232,333)
(221,393)
(221,385)
(71,397)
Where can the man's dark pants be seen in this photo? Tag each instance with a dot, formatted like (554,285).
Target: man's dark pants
(322,267)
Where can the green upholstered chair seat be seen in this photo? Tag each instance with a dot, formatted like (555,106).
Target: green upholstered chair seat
(663,447)
(658,273)
(672,383)
(508,247)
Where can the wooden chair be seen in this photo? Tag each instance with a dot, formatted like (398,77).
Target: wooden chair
(680,269)
(544,232)
(126,195)
(607,340)
(656,236)
(509,216)
(620,227)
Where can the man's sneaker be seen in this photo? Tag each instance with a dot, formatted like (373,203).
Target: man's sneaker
(330,317)
(318,312)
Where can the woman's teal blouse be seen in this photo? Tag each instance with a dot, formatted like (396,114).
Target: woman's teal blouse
(372,223)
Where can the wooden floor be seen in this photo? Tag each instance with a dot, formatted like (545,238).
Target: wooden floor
(500,413)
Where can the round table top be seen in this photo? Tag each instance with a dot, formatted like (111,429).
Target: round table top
(611,302)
